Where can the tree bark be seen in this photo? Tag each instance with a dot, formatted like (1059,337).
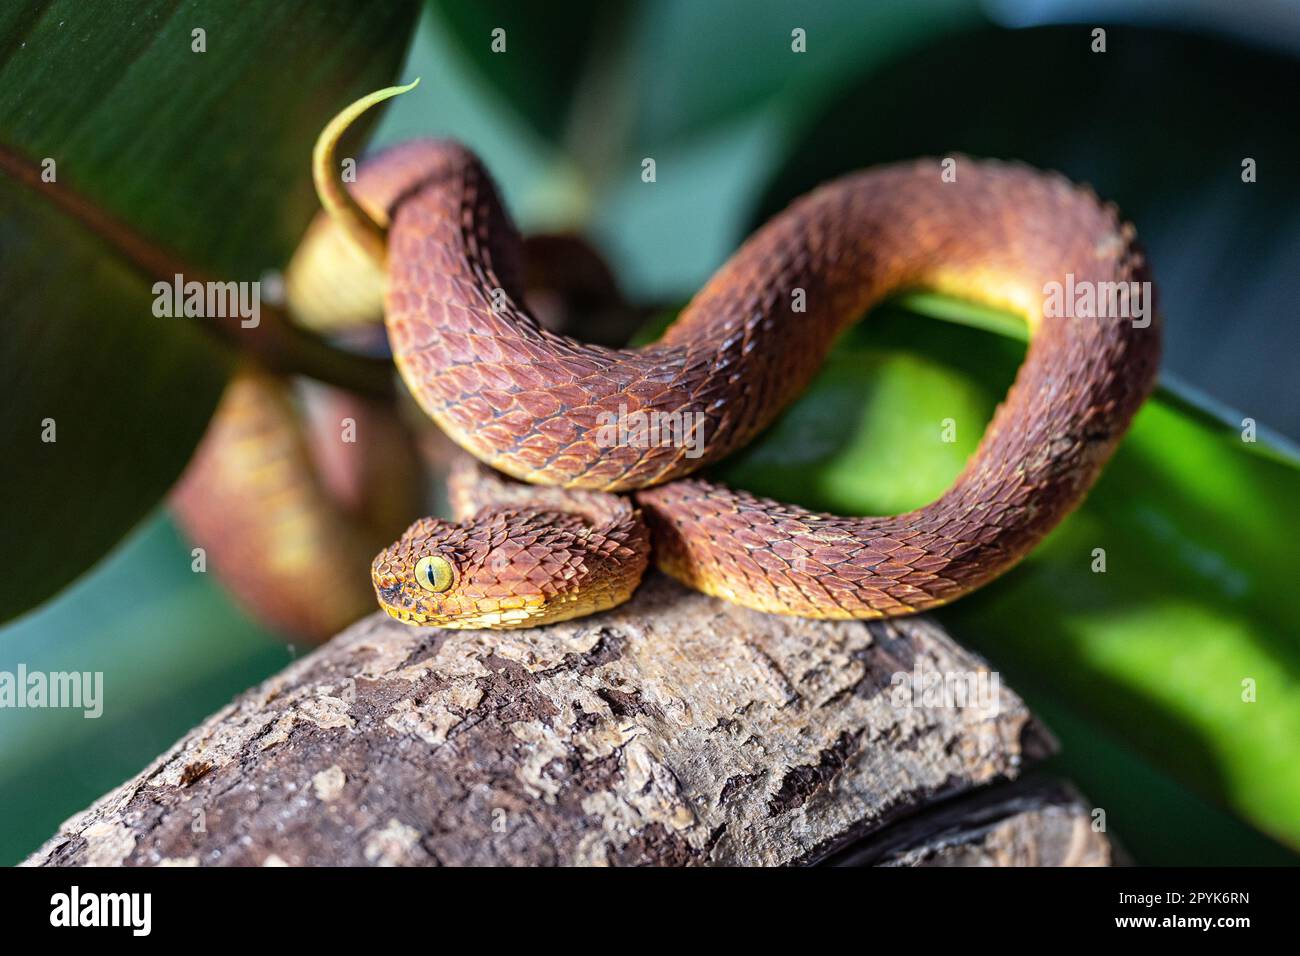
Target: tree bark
(677,729)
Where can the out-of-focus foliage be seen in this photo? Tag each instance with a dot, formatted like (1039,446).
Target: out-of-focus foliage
(166,158)
(1161,124)
(533,57)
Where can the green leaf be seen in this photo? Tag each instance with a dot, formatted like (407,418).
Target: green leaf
(103,402)
(701,65)
(707,89)
(1155,819)
(165,160)
(546,53)
(1197,527)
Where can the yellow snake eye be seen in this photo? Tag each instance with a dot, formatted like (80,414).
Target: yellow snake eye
(433,573)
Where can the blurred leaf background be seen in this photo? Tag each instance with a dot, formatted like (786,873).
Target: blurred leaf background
(1138,670)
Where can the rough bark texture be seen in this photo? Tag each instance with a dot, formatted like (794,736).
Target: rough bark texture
(677,729)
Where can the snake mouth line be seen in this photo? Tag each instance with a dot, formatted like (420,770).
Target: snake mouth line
(406,617)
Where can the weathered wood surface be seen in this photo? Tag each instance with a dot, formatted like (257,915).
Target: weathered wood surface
(677,729)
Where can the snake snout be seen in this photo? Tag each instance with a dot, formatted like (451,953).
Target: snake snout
(385,574)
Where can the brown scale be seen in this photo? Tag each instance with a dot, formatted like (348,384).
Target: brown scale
(529,402)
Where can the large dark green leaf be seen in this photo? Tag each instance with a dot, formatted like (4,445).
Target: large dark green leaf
(701,65)
(1152,816)
(548,51)
(607,79)
(165,158)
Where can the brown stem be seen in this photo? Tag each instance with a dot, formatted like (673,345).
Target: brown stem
(275,342)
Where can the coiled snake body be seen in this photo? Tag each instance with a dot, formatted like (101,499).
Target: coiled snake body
(535,405)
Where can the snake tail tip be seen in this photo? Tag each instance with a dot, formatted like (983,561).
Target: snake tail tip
(367,230)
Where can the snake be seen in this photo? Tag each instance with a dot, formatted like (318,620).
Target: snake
(557,515)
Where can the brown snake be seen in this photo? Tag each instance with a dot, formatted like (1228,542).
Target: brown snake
(533,404)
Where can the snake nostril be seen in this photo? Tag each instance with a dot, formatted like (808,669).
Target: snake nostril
(391,594)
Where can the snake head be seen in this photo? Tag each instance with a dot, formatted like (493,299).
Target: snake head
(506,569)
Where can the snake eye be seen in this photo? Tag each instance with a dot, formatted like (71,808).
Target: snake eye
(433,573)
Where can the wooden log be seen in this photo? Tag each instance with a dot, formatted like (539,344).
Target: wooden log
(677,729)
